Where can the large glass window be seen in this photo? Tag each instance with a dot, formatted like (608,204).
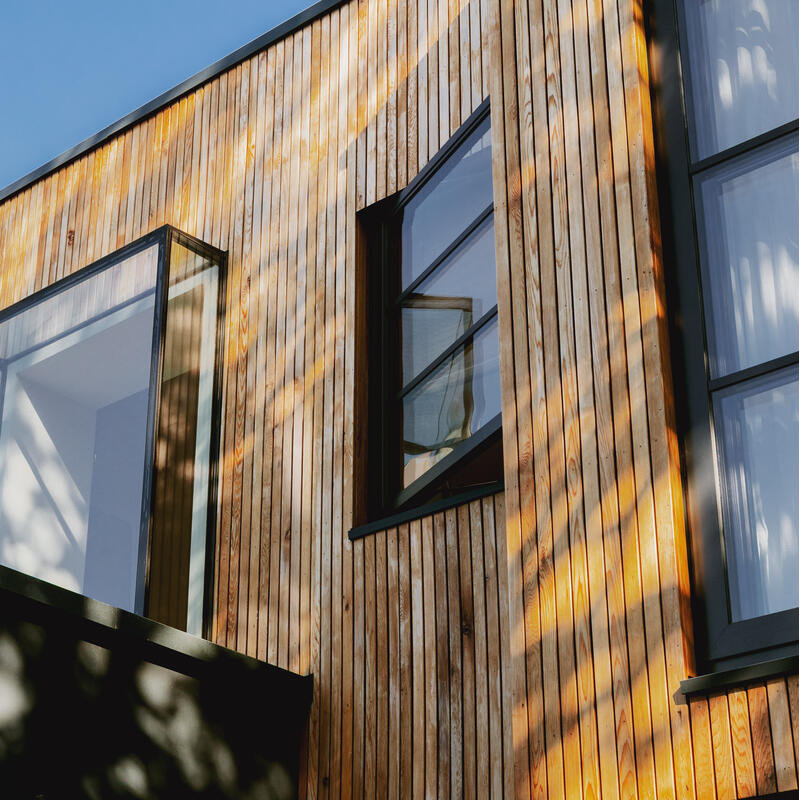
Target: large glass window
(107,388)
(432,250)
(738,285)
(741,63)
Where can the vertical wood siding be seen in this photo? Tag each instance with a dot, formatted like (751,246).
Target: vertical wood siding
(530,644)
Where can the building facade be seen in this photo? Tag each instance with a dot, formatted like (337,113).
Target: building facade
(517,600)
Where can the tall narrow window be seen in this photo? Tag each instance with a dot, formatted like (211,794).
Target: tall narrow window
(107,395)
(435,424)
(735,163)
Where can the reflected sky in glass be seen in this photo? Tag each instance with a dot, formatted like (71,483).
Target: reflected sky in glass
(741,58)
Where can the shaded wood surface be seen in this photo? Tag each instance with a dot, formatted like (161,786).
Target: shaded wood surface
(530,644)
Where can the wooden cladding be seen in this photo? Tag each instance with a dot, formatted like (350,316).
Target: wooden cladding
(745,740)
(530,644)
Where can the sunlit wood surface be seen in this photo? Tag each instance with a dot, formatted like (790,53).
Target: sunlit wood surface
(530,644)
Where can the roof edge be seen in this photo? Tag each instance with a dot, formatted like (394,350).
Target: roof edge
(281,31)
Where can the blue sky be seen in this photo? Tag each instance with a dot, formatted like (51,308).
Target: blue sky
(71,67)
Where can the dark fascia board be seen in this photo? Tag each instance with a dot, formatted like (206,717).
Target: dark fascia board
(217,68)
(741,676)
(111,627)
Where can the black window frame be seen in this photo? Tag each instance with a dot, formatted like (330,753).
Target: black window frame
(164,237)
(719,643)
(378,222)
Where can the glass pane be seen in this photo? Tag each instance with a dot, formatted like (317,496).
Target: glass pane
(748,216)
(742,65)
(183,443)
(454,402)
(72,431)
(757,434)
(455,296)
(449,201)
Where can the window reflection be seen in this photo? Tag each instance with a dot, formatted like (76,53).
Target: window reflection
(757,432)
(455,401)
(447,303)
(748,218)
(459,191)
(742,64)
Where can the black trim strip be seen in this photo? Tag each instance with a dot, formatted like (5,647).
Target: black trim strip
(106,625)
(470,333)
(393,520)
(753,372)
(209,73)
(448,251)
(739,677)
(743,147)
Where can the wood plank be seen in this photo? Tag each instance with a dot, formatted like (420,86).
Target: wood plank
(256,363)
(441,581)
(454,653)
(372,101)
(417,657)
(781,734)
(407,696)
(443,39)
(527,737)
(363,91)
(625,493)
(703,749)
(264,180)
(469,719)
(382,663)
(423,67)
(312,457)
(791,685)
(391,97)
(495,651)
(744,767)
(482,743)
(430,764)
(338,355)
(723,746)
(543,344)
(395,612)
(459,62)
(321,519)
(403,78)
(381,86)
(432,75)
(353,467)
(762,739)
(240,335)
(248,314)
(370,676)
(510,763)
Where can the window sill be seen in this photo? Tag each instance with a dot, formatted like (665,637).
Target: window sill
(705,684)
(393,520)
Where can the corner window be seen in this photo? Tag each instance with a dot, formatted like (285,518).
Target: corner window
(434,424)
(733,174)
(108,406)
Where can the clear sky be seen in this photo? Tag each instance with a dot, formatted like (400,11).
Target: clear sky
(69,68)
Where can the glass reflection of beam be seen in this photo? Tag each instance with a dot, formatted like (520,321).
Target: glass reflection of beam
(464,377)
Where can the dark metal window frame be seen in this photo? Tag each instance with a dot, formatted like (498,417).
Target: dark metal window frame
(720,643)
(385,394)
(164,237)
